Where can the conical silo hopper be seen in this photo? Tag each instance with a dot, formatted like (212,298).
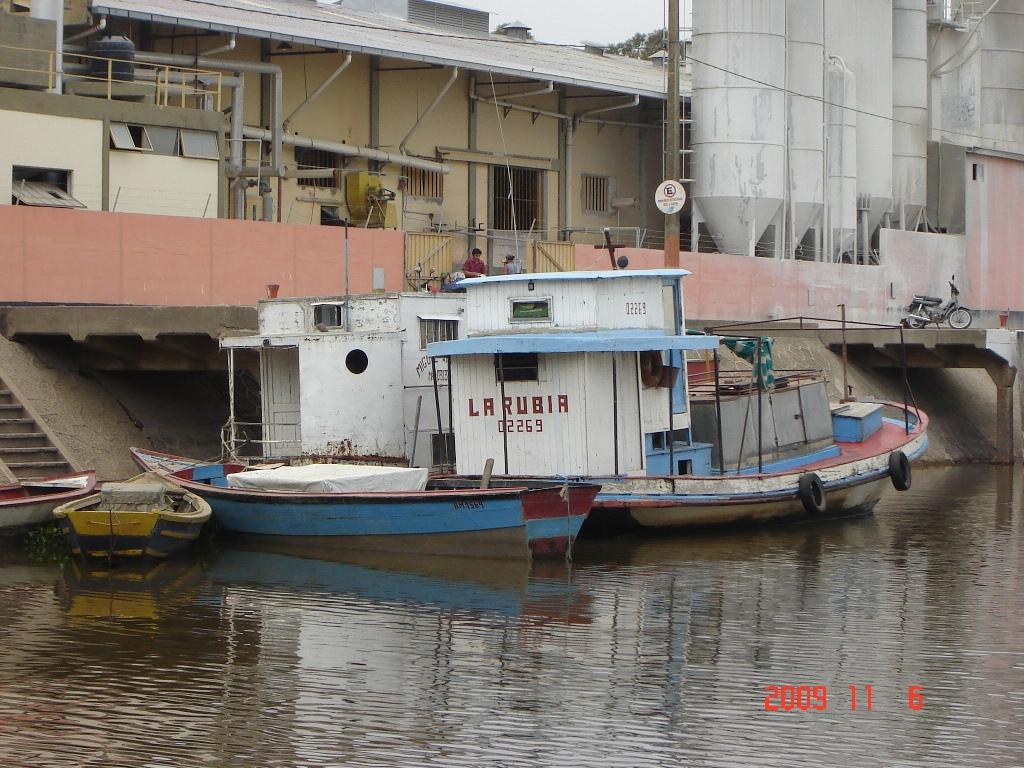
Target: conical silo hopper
(739,122)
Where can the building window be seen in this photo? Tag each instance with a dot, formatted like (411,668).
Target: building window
(437,329)
(516,366)
(43,187)
(330,216)
(977,172)
(530,310)
(131,137)
(425,184)
(201,145)
(597,193)
(306,158)
(515,198)
(327,315)
(164,140)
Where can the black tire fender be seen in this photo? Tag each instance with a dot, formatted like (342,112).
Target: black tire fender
(812,493)
(899,471)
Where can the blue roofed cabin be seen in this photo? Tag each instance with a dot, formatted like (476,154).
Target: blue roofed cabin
(342,377)
(574,373)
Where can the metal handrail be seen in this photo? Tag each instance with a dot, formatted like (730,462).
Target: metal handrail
(188,82)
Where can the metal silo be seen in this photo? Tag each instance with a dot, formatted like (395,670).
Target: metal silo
(841,160)
(861,33)
(1002,76)
(909,110)
(805,71)
(739,123)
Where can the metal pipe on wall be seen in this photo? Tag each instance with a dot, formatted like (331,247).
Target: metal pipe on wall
(633,102)
(430,108)
(519,107)
(236,147)
(319,89)
(549,88)
(348,150)
(97,27)
(238,67)
(228,46)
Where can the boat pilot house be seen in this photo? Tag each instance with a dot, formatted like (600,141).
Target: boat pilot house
(348,378)
(574,373)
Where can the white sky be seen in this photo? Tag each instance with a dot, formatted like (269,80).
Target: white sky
(572,21)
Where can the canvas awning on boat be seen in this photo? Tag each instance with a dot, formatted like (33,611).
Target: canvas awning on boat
(588,341)
(331,478)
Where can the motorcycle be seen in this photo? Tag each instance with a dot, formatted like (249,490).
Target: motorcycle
(930,309)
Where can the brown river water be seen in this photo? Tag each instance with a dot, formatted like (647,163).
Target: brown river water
(646,652)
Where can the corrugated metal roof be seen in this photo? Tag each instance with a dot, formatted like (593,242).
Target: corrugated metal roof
(304,21)
(595,274)
(588,341)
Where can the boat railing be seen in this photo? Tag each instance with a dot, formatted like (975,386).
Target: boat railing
(238,437)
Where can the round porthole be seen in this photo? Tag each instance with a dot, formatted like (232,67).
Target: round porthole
(356,361)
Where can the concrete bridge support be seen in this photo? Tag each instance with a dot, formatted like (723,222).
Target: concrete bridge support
(1003,376)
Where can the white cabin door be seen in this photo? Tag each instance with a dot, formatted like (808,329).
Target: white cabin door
(279,372)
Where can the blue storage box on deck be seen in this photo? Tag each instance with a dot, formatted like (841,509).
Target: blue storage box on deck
(855,422)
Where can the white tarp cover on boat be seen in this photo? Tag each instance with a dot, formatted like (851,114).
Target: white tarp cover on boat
(331,478)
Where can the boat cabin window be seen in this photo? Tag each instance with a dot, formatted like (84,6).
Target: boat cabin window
(530,310)
(516,366)
(437,329)
(327,315)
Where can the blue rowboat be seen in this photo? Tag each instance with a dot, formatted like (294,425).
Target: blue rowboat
(450,517)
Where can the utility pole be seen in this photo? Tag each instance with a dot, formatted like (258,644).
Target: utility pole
(672,123)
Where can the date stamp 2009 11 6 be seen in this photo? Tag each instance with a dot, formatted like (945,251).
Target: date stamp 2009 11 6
(786,698)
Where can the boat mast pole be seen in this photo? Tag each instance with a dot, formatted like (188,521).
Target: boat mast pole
(504,426)
(231,402)
(451,417)
(718,417)
(906,383)
(672,123)
(437,395)
(671,423)
(757,376)
(615,412)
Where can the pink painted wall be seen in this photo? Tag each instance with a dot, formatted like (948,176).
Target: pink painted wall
(90,256)
(122,258)
(729,287)
(995,226)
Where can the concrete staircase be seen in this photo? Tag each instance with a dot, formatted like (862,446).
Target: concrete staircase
(27,449)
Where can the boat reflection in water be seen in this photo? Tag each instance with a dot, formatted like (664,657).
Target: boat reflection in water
(535,592)
(144,591)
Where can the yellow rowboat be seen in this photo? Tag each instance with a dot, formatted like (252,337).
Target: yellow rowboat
(146,515)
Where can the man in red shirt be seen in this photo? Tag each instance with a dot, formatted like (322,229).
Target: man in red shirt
(474,265)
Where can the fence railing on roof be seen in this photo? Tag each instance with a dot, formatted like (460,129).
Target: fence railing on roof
(170,86)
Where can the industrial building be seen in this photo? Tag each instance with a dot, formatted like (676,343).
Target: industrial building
(815,130)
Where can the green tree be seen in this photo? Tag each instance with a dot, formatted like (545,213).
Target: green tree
(641,45)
